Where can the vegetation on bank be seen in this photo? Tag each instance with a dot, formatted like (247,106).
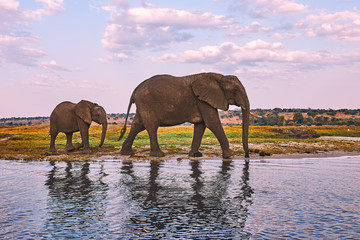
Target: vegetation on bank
(32,142)
(299,117)
(269,117)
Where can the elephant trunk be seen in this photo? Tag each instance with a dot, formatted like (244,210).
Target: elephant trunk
(103,133)
(245,129)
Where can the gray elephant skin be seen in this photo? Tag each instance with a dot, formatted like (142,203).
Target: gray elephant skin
(68,117)
(165,100)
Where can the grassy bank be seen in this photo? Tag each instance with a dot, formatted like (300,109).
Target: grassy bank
(32,142)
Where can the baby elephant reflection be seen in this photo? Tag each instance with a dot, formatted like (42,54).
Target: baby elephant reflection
(68,117)
(75,201)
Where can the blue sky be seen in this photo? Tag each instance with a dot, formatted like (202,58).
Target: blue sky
(287,53)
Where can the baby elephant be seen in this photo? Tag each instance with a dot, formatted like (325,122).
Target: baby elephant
(68,117)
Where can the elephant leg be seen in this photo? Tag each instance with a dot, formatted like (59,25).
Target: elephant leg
(69,145)
(136,127)
(220,135)
(155,150)
(52,141)
(84,132)
(212,121)
(199,129)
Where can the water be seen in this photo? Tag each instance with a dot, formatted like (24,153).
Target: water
(207,199)
(340,138)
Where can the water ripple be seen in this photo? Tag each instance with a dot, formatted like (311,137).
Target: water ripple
(206,199)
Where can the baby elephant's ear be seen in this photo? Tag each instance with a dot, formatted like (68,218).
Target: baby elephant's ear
(208,90)
(82,110)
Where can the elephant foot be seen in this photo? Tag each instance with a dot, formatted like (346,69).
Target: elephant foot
(70,148)
(157,153)
(78,146)
(52,150)
(127,152)
(195,154)
(228,154)
(86,151)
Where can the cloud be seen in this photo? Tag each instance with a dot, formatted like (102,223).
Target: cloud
(173,17)
(229,52)
(56,81)
(15,39)
(51,7)
(9,5)
(339,26)
(116,57)
(254,27)
(53,66)
(271,7)
(152,28)
(9,40)
(15,49)
(257,52)
(268,8)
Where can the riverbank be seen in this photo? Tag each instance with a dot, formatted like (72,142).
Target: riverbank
(32,142)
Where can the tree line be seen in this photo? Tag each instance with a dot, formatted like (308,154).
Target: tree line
(268,117)
(272,117)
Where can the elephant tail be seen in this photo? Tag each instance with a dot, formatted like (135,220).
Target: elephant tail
(123,130)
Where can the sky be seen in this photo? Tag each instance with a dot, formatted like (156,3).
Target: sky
(287,53)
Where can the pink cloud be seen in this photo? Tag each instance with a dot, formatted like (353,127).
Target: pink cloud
(14,37)
(339,26)
(52,65)
(149,27)
(254,52)
(267,8)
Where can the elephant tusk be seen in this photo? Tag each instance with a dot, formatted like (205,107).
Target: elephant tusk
(254,115)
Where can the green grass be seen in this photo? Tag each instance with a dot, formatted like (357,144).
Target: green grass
(32,142)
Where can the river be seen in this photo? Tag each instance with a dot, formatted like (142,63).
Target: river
(309,198)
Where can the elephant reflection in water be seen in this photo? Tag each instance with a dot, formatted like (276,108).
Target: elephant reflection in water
(218,199)
(75,201)
(170,207)
(151,188)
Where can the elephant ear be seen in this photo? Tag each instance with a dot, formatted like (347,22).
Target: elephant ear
(208,90)
(82,110)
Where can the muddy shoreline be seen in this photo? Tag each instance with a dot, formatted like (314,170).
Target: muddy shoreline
(79,156)
(180,157)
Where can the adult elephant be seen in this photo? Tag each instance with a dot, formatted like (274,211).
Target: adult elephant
(68,117)
(165,100)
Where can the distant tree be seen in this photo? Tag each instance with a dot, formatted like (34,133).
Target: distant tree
(312,113)
(308,121)
(298,118)
(350,122)
(319,121)
(334,121)
(331,112)
(281,121)
(272,119)
(277,110)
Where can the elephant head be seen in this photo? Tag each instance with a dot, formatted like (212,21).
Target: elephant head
(220,91)
(88,112)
